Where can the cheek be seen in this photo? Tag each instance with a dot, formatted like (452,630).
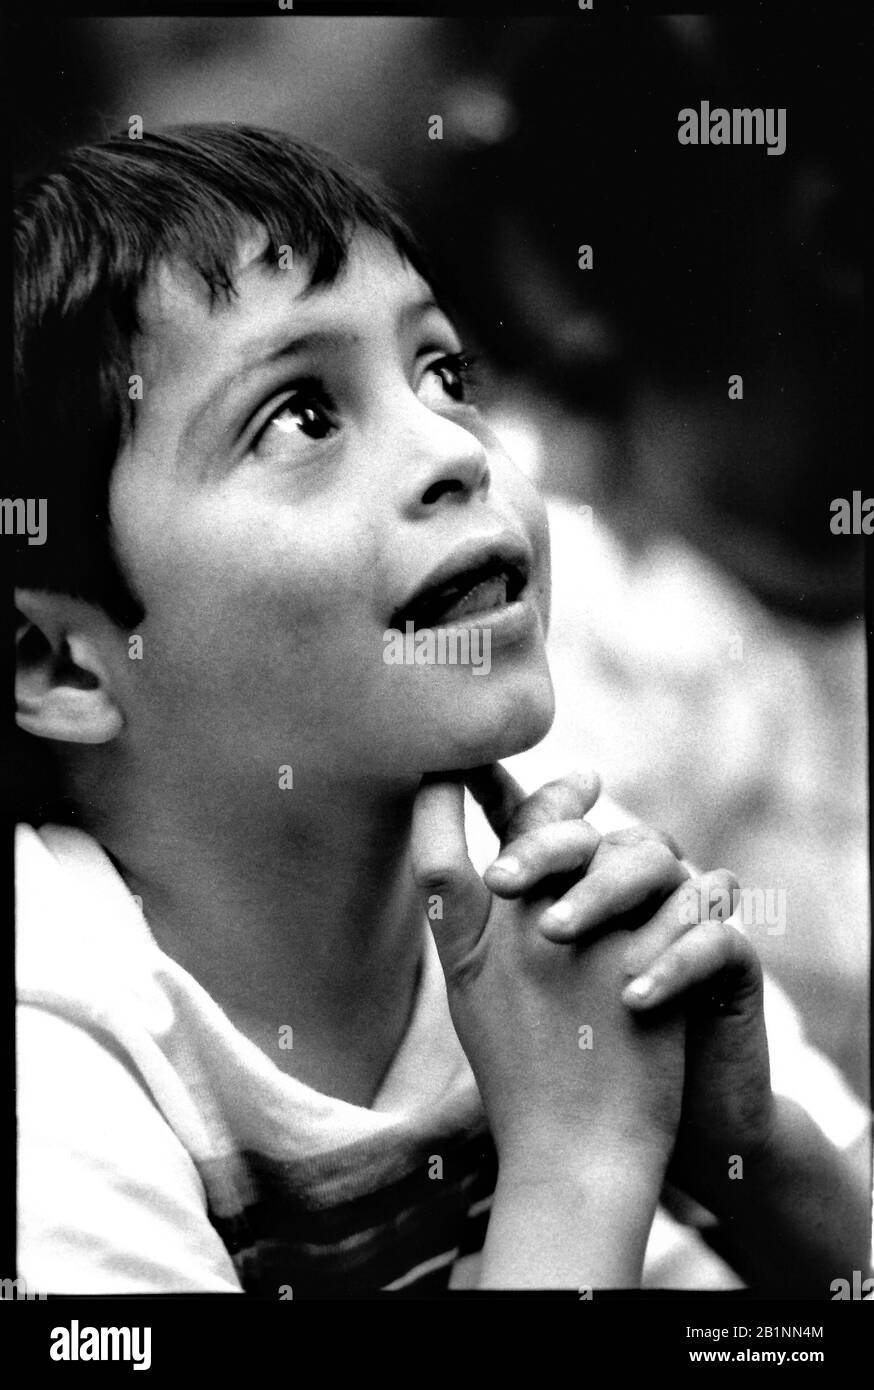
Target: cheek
(250,614)
(529,506)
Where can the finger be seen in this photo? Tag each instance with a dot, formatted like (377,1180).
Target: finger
(565,798)
(672,844)
(456,900)
(702,954)
(560,848)
(498,793)
(621,879)
(632,834)
(709,896)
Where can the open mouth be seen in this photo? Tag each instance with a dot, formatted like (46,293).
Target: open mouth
(472,593)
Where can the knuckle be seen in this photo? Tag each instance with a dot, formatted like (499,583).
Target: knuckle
(727,941)
(430,878)
(728,878)
(741,946)
(688,901)
(557,798)
(629,835)
(668,839)
(658,859)
(545,838)
(722,879)
(461,973)
(587,833)
(699,947)
(578,837)
(717,895)
(644,835)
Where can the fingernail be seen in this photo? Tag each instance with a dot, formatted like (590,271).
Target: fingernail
(641,987)
(507,864)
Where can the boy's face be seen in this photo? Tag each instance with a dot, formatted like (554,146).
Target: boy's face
(279,506)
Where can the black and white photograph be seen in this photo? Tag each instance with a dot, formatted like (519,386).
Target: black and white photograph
(437,793)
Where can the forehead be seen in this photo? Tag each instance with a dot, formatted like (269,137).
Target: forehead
(178,318)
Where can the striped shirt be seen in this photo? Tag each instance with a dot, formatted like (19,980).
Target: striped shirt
(161,1151)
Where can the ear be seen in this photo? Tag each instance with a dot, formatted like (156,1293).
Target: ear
(62,686)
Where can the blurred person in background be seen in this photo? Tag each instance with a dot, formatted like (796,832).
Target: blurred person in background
(709,631)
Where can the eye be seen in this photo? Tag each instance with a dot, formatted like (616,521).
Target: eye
(455,372)
(306,414)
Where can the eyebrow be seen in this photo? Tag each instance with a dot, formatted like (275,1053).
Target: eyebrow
(278,346)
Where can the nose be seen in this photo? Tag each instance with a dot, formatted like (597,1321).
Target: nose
(443,462)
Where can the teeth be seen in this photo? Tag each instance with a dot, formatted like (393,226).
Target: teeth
(482,598)
(453,603)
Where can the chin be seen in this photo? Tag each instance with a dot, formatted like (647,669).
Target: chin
(511,729)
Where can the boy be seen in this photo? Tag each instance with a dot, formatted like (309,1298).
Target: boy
(237,1069)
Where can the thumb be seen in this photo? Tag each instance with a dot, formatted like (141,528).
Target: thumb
(455,898)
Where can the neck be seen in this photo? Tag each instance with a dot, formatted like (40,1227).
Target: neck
(302,917)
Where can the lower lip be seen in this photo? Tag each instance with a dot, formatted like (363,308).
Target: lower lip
(510,624)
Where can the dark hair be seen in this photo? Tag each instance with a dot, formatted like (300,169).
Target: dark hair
(86,237)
